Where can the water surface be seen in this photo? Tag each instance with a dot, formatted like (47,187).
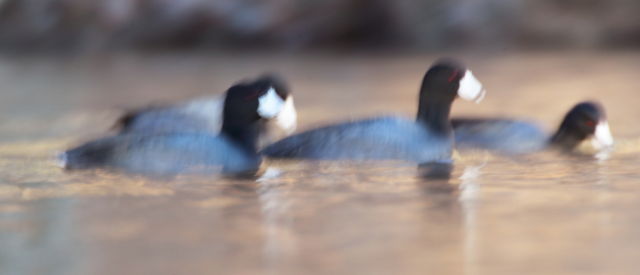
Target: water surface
(544,213)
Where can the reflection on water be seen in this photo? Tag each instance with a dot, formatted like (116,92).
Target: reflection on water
(544,213)
(41,239)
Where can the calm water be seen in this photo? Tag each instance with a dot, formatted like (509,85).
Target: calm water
(538,214)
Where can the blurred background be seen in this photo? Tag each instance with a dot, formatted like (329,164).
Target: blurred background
(70,68)
(96,25)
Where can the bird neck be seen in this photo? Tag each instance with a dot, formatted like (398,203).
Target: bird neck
(244,135)
(566,139)
(435,116)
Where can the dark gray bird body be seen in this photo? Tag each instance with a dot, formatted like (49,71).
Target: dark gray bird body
(163,154)
(372,139)
(504,135)
(428,138)
(233,150)
(202,115)
(585,120)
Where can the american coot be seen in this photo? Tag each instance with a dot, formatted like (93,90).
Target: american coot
(204,115)
(427,139)
(232,151)
(583,121)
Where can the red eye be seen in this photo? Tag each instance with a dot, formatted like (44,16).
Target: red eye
(252,95)
(590,123)
(453,75)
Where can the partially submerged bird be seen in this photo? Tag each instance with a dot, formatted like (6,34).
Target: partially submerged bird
(233,150)
(204,115)
(428,138)
(585,120)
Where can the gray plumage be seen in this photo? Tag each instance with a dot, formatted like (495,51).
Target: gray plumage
(372,139)
(163,154)
(502,135)
(202,115)
(231,151)
(426,139)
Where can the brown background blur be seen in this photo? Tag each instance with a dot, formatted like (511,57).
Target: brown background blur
(96,25)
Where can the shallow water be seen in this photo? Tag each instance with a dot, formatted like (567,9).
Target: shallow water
(544,213)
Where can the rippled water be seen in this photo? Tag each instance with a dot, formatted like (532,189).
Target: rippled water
(545,213)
